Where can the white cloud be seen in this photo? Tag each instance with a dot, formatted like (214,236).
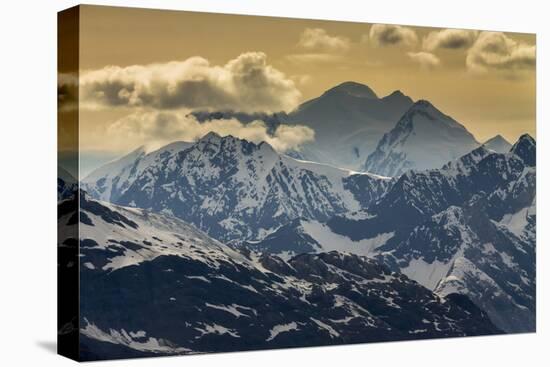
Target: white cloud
(319,39)
(317,58)
(449,39)
(392,35)
(426,60)
(157,128)
(246,83)
(496,51)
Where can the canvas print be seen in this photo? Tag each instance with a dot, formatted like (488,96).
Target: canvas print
(231,183)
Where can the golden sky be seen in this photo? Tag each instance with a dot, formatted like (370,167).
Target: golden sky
(485,80)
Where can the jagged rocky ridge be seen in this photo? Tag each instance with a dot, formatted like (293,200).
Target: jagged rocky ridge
(200,295)
(468,228)
(471,222)
(232,188)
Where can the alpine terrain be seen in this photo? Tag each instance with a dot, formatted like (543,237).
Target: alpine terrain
(232,188)
(223,244)
(423,138)
(200,295)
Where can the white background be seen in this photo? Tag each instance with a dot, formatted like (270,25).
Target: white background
(28,182)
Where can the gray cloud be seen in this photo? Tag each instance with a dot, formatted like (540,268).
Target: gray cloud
(246,83)
(157,128)
(392,35)
(496,51)
(67,91)
(318,39)
(426,60)
(449,39)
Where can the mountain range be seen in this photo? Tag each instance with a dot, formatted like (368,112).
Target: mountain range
(200,295)
(226,244)
(357,130)
(466,228)
(348,119)
(232,188)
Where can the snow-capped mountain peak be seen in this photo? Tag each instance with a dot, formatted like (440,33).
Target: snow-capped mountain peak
(353,89)
(465,163)
(233,188)
(348,120)
(424,112)
(109,181)
(424,138)
(498,144)
(214,138)
(212,143)
(397,96)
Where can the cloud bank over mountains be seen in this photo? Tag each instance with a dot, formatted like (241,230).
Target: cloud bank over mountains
(247,83)
(157,128)
(158,97)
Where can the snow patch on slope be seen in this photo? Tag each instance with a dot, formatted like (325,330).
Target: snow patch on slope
(330,241)
(137,340)
(282,328)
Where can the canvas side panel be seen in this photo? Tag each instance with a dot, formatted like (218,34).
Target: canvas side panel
(67,183)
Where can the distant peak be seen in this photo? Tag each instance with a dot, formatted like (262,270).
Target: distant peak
(398,96)
(246,146)
(173,146)
(480,151)
(497,139)
(354,89)
(498,144)
(396,93)
(525,148)
(424,112)
(526,139)
(468,160)
(422,104)
(211,137)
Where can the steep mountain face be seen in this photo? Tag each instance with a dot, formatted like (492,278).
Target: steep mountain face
(462,250)
(201,296)
(348,121)
(349,107)
(67,268)
(498,144)
(111,180)
(66,184)
(231,188)
(424,138)
(468,228)
(526,149)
